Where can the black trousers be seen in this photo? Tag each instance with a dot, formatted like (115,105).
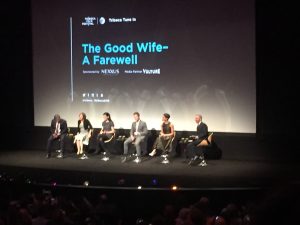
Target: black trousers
(51,139)
(192,150)
(100,142)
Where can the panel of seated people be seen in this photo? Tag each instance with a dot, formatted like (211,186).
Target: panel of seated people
(115,146)
(138,140)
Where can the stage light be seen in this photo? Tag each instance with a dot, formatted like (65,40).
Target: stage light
(139,187)
(86,183)
(174,188)
(54,183)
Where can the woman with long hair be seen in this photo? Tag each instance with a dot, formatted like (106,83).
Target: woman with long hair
(84,132)
(106,132)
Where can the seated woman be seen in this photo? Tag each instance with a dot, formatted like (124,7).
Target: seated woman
(106,132)
(164,139)
(84,131)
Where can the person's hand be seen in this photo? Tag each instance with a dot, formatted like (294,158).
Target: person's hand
(136,133)
(132,137)
(101,131)
(193,137)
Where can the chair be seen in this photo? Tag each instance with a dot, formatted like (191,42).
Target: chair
(166,153)
(105,156)
(206,142)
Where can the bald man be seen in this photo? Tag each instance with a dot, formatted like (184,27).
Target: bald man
(202,133)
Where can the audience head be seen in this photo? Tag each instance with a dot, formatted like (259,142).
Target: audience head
(219,220)
(183,216)
(197,217)
(136,116)
(281,205)
(231,214)
(106,116)
(203,204)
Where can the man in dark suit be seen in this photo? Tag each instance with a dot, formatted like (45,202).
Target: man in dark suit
(59,130)
(202,134)
(138,134)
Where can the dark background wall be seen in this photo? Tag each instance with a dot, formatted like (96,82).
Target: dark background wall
(276,58)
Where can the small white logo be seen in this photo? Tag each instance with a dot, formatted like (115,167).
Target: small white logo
(89,21)
(102,20)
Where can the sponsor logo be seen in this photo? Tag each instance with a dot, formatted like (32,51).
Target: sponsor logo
(88,21)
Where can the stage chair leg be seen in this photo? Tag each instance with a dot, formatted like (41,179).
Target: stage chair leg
(84,156)
(203,162)
(137,160)
(165,160)
(105,157)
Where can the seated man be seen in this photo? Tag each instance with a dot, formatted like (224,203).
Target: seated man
(59,129)
(202,133)
(138,134)
(163,141)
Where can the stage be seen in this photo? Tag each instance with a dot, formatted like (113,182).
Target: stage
(31,166)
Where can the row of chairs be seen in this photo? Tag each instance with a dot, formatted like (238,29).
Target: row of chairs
(164,155)
(86,144)
(106,157)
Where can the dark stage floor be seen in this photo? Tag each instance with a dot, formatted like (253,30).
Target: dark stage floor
(32,166)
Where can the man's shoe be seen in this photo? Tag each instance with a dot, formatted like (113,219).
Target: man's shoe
(202,163)
(202,159)
(83,156)
(124,159)
(48,156)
